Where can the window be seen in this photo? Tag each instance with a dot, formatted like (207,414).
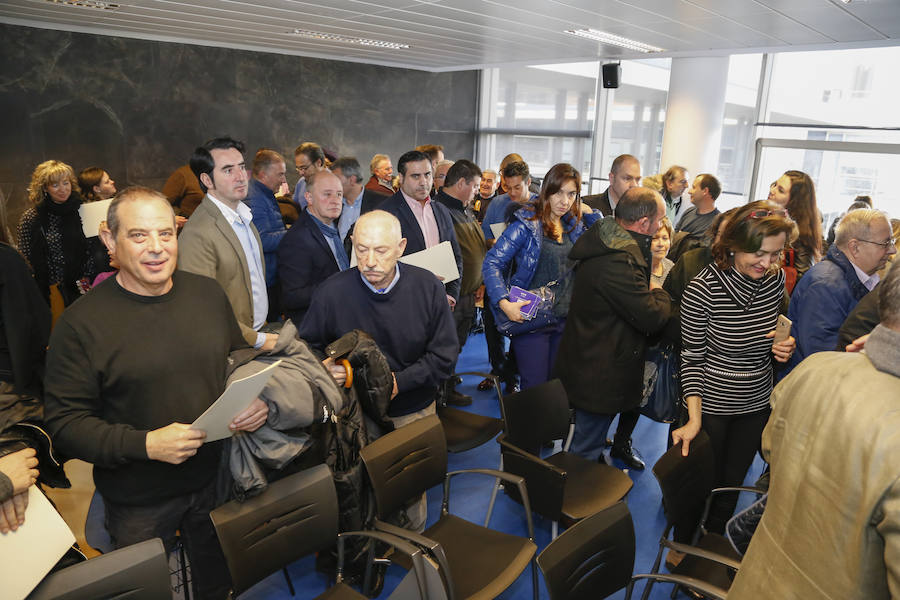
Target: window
(543,112)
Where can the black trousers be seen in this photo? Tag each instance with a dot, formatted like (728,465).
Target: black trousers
(187,514)
(735,441)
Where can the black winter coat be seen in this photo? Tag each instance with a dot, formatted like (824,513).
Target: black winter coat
(601,355)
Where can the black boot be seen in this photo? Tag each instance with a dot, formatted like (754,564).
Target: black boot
(623,451)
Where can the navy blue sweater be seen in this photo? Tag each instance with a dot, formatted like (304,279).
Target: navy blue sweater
(411,324)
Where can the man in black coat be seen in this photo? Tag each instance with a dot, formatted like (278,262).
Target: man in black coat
(312,250)
(423,223)
(624,174)
(614,307)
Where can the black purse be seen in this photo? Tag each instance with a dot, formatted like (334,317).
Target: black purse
(660,401)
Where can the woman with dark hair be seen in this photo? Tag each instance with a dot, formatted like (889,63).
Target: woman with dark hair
(795,192)
(728,316)
(533,252)
(50,234)
(96,184)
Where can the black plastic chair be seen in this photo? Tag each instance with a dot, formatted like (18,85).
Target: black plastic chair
(295,517)
(595,557)
(464,429)
(563,487)
(475,562)
(137,572)
(687,490)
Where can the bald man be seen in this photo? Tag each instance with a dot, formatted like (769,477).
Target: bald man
(404,309)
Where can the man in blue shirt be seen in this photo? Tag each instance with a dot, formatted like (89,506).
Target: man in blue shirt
(268,175)
(309,158)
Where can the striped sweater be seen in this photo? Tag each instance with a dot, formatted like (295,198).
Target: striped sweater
(726,358)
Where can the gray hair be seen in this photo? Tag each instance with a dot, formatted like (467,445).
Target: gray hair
(856,224)
(349,166)
(373,164)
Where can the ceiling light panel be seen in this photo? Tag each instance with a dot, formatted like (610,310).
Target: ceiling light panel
(614,40)
(346,39)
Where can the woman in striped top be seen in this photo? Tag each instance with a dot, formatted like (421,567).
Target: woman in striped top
(728,316)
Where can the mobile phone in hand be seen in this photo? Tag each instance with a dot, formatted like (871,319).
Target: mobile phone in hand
(782,329)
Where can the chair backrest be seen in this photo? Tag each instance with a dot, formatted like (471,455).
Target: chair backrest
(593,558)
(536,415)
(137,572)
(293,517)
(686,481)
(405,462)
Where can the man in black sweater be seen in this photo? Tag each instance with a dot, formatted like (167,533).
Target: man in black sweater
(404,309)
(129,368)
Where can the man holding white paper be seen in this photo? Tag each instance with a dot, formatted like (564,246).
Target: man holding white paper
(423,222)
(129,367)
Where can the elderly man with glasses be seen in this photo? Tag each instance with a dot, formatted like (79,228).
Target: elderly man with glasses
(831,289)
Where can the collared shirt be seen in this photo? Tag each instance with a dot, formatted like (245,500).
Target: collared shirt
(390,285)
(330,234)
(870,281)
(240,223)
(349,214)
(300,193)
(424,214)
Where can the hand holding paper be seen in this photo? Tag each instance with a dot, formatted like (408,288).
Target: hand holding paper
(174,443)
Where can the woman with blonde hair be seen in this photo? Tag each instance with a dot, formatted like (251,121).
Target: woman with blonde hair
(50,235)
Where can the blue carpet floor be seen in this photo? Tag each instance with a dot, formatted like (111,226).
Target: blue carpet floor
(470,495)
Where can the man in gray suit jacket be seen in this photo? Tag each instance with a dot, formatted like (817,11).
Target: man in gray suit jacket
(220,241)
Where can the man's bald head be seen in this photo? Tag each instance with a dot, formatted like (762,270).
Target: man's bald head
(378,243)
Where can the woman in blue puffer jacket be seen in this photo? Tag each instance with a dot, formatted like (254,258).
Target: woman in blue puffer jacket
(532,252)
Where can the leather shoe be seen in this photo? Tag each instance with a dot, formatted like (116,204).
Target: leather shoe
(486,384)
(627,455)
(511,387)
(457,398)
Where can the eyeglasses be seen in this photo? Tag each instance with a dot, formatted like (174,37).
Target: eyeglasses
(763,213)
(303,168)
(886,244)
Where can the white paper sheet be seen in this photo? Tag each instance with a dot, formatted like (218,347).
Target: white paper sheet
(28,554)
(437,259)
(236,397)
(497,229)
(92,214)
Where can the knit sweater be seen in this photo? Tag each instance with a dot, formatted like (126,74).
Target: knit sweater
(411,324)
(121,365)
(726,358)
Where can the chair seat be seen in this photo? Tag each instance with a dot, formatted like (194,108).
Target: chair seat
(465,430)
(341,591)
(590,486)
(707,570)
(475,573)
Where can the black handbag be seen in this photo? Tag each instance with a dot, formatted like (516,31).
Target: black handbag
(660,401)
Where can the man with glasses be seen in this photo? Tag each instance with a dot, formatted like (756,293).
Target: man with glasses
(831,289)
(309,158)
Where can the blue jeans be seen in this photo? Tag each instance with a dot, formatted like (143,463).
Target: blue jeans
(589,437)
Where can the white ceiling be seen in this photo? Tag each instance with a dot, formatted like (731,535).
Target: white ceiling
(448,35)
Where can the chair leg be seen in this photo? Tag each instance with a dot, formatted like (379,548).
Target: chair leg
(184,577)
(287,577)
(490,510)
(554,530)
(534,578)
